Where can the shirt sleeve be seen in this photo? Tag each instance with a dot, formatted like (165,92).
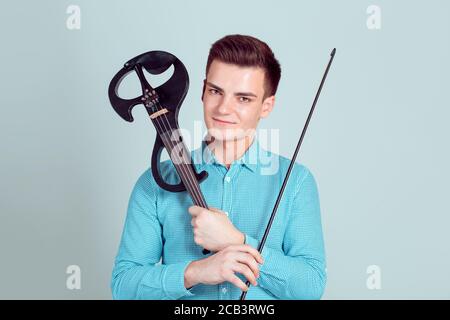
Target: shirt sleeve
(137,273)
(299,272)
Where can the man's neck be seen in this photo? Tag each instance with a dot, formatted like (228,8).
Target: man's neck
(227,151)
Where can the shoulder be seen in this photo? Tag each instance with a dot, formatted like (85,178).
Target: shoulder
(145,185)
(146,182)
(300,173)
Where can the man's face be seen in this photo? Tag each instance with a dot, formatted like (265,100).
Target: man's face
(233,100)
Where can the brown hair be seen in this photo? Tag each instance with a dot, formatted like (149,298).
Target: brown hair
(247,51)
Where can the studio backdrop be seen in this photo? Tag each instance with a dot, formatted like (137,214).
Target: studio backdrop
(377,144)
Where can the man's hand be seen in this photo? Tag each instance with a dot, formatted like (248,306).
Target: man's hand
(213,230)
(221,267)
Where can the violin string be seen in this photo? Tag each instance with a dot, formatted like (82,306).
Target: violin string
(199,199)
(188,170)
(155,101)
(185,172)
(188,174)
(158,122)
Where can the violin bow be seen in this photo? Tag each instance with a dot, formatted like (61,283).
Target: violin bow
(286,178)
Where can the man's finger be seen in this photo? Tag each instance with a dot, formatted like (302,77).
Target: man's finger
(246,271)
(249,249)
(216,210)
(237,282)
(250,261)
(195,210)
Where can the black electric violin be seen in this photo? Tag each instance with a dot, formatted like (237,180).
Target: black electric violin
(162,104)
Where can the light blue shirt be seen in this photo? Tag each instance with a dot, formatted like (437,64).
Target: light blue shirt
(158,244)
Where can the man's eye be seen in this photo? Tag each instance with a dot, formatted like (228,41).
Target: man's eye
(213,91)
(244,99)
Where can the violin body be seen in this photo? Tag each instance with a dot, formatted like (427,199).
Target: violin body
(162,104)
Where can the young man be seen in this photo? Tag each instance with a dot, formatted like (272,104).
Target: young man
(242,76)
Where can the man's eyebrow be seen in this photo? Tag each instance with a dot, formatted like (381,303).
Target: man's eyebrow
(247,94)
(214,86)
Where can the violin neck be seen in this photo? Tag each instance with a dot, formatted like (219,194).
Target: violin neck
(181,159)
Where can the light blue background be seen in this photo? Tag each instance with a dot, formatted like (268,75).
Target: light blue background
(378,143)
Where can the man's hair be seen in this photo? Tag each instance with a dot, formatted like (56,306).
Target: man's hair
(247,51)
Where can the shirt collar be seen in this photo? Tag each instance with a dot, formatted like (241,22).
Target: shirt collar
(250,159)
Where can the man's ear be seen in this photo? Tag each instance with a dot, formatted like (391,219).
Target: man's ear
(267,106)
(204,86)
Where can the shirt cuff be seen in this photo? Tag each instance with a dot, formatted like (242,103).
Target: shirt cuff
(266,255)
(255,243)
(251,241)
(173,281)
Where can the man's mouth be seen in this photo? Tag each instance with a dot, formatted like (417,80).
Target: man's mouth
(223,121)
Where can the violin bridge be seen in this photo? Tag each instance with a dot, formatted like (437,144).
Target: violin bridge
(158,113)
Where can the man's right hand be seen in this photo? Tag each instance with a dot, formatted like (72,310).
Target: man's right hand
(221,267)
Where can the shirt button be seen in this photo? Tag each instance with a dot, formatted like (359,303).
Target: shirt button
(227,179)
(224,290)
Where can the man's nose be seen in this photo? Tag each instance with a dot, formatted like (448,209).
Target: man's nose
(226,105)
